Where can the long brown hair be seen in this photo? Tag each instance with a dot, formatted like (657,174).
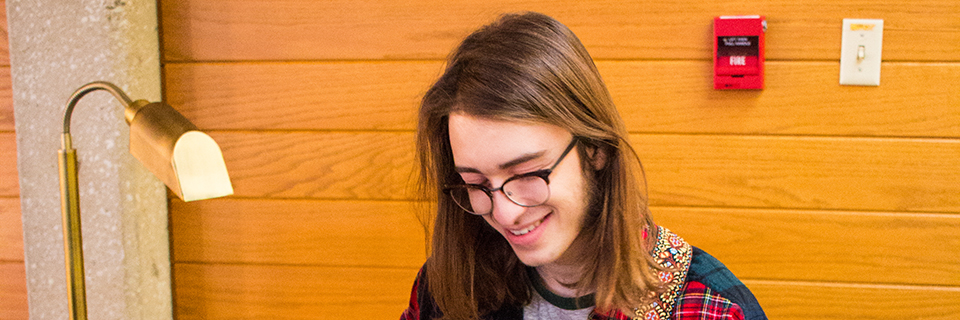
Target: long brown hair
(531,68)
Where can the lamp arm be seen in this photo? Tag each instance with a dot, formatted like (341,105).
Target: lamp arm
(88,88)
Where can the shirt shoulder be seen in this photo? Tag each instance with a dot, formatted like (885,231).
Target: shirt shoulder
(712,273)
(696,302)
(421,304)
(699,302)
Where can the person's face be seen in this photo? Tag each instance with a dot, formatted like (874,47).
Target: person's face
(488,152)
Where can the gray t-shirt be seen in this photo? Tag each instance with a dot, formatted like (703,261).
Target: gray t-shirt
(540,308)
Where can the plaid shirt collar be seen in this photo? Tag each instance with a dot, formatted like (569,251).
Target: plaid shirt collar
(674,256)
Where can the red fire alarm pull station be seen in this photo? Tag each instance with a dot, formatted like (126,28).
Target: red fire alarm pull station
(738,52)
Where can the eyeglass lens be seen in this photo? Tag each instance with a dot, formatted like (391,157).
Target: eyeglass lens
(527,191)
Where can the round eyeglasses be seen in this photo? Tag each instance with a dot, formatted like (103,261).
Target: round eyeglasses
(526,190)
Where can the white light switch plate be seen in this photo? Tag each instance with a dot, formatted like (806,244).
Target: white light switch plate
(860,52)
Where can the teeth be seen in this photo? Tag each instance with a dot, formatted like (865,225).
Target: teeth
(527,230)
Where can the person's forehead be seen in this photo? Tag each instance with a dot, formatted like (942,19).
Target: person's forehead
(480,142)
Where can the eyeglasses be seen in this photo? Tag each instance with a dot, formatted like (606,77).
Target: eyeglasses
(526,190)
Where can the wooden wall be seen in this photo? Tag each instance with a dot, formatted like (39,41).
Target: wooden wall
(13,283)
(829,201)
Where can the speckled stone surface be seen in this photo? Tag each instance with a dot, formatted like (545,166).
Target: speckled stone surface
(56,46)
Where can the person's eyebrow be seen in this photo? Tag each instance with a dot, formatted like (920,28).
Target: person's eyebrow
(521,159)
(505,165)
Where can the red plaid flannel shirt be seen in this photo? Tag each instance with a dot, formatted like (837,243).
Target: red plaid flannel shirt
(698,302)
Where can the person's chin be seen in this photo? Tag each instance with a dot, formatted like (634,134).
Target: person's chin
(535,256)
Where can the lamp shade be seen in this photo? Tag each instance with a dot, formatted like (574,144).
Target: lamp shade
(187,160)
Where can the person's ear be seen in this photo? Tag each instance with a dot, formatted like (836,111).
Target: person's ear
(598,157)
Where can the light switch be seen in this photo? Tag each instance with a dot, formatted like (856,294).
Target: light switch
(860,52)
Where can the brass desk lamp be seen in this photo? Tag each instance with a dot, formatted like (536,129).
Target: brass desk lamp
(188,161)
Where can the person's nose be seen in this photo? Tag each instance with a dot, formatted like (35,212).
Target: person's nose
(505,212)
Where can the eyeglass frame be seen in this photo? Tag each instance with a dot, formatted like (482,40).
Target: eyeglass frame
(542,174)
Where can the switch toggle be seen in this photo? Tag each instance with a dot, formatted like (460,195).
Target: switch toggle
(860,52)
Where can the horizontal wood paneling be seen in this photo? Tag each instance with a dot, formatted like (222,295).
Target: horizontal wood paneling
(755,244)
(13,291)
(6,95)
(683,170)
(212,292)
(832,202)
(801,98)
(299,96)
(11,231)
(339,233)
(804,301)
(867,247)
(319,165)
(305,292)
(307,30)
(802,172)
(9,184)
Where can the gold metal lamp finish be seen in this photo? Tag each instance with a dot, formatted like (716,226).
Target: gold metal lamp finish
(173,149)
(188,161)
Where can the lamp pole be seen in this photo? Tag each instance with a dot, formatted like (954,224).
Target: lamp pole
(70,202)
(72,242)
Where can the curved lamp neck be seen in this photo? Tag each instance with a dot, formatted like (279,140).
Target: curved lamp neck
(88,88)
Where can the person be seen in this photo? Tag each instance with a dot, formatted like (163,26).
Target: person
(541,208)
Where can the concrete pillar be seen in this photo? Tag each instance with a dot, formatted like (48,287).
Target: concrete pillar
(56,46)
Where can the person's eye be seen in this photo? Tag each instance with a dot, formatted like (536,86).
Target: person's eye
(535,173)
(470,178)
